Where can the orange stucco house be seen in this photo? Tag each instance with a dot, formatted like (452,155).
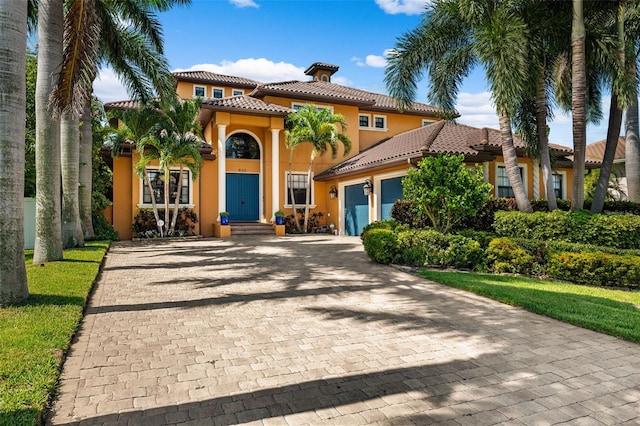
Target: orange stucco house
(246,165)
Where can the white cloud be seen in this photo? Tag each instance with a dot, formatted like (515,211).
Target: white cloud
(107,87)
(477,110)
(244,3)
(259,69)
(408,7)
(376,61)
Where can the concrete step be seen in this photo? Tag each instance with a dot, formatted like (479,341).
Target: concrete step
(251,228)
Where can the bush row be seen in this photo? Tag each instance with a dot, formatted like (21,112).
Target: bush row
(406,212)
(617,231)
(389,242)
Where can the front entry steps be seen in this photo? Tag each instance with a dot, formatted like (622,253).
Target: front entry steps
(251,228)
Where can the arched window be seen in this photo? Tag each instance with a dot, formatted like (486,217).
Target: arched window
(242,145)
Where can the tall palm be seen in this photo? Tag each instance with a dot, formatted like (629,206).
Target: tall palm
(452,38)
(319,128)
(578,104)
(174,142)
(632,141)
(291,144)
(48,241)
(126,35)
(13,40)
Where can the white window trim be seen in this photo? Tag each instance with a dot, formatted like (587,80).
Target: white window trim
(312,205)
(318,106)
(563,173)
(235,92)
(525,177)
(217,88)
(377,190)
(160,206)
(204,88)
(379,129)
(368,121)
(426,122)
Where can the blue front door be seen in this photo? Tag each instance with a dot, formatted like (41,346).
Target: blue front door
(242,196)
(356,210)
(391,191)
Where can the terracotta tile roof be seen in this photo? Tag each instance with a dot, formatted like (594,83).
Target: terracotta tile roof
(128,104)
(247,103)
(595,151)
(440,137)
(321,66)
(328,92)
(213,78)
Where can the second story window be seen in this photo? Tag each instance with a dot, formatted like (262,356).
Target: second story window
(380,122)
(199,91)
(217,93)
(237,92)
(363,120)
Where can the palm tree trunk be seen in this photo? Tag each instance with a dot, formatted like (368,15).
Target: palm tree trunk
(13,36)
(86,172)
(174,219)
(578,104)
(167,195)
(632,151)
(154,205)
(48,242)
(511,164)
(543,141)
(72,235)
(613,132)
(292,194)
(307,196)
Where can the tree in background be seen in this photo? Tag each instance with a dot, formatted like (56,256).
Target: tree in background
(452,38)
(446,190)
(13,40)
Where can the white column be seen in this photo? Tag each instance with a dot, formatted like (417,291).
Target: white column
(536,179)
(222,168)
(275,171)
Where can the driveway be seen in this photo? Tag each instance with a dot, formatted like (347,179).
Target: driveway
(307,330)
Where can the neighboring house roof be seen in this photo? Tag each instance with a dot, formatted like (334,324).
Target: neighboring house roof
(213,78)
(129,104)
(441,137)
(595,151)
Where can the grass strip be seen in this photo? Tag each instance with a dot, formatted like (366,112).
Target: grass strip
(610,311)
(35,335)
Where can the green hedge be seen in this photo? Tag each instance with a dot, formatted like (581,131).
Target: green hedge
(595,268)
(616,231)
(381,245)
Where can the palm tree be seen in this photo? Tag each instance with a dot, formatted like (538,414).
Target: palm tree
(174,142)
(632,152)
(578,104)
(291,144)
(13,41)
(318,127)
(127,36)
(452,38)
(48,241)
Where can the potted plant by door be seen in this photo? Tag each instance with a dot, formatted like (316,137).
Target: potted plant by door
(279,217)
(224,218)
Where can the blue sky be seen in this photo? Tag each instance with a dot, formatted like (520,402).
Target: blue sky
(276,40)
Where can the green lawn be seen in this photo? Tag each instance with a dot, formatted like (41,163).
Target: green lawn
(614,312)
(35,334)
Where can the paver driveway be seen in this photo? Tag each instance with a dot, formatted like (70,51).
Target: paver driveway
(308,331)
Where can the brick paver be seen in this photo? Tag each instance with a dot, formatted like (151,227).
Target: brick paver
(306,330)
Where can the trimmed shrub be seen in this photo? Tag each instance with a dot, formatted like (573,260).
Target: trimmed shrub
(504,255)
(428,247)
(408,213)
(380,245)
(595,268)
(617,231)
(389,224)
(418,247)
(103,230)
(482,237)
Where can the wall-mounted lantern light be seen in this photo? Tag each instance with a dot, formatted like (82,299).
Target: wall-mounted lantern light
(367,187)
(333,192)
